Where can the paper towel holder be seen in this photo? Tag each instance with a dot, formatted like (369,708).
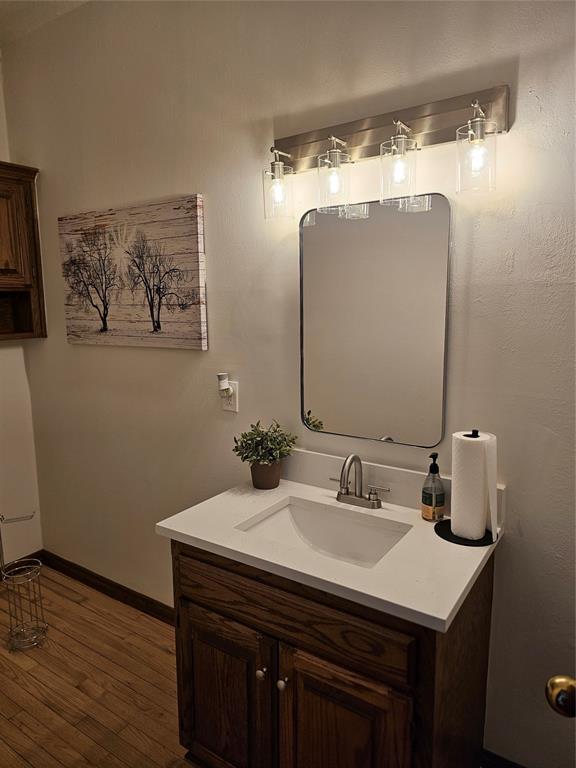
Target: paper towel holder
(444,530)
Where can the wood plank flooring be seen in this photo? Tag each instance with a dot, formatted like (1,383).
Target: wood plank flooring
(100,692)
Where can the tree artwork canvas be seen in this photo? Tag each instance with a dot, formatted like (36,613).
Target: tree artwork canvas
(136,275)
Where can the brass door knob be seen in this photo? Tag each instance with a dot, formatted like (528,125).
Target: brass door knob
(281,684)
(561,695)
(261,673)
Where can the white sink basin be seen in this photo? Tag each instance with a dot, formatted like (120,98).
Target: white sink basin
(355,536)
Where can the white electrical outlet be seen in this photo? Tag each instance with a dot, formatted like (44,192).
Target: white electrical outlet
(230,403)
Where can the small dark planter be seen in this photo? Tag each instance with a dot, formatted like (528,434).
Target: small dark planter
(265,476)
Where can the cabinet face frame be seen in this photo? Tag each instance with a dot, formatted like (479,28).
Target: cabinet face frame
(371,650)
(273,725)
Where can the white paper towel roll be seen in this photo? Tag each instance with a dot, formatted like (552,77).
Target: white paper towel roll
(474,485)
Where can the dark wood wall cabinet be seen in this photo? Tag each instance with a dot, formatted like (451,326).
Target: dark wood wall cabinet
(21,294)
(274,674)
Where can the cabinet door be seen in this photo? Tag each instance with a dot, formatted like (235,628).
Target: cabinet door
(226,676)
(15,246)
(332,718)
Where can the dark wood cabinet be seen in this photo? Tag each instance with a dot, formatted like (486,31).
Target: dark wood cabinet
(274,674)
(227,692)
(21,294)
(333,718)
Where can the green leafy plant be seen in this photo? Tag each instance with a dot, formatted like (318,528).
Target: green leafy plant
(264,445)
(312,422)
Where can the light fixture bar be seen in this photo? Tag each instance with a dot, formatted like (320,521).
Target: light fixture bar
(433,123)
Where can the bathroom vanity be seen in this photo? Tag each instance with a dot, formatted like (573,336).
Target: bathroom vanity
(318,629)
(300,645)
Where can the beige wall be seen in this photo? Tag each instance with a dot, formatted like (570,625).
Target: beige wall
(120,104)
(18,481)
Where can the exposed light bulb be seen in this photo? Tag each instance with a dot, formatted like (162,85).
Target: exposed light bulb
(278,192)
(478,155)
(333,177)
(334,182)
(277,186)
(398,164)
(476,141)
(399,170)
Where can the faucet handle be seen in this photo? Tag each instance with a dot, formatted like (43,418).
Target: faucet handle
(373,491)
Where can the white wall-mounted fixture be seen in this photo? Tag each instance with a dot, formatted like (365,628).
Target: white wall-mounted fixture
(333,177)
(224,388)
(398,164)
(477,152)
(229,393)
(277,186)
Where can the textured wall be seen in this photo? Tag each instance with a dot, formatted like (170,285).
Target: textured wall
(118,103)
(18,481)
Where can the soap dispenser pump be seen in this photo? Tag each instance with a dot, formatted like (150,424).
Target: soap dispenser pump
(433,495)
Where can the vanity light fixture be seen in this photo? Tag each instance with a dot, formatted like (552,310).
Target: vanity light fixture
(477,152)
(398,164)
(277,186)
(333,177)
(395,137)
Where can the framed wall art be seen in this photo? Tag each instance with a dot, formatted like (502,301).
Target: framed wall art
(136,275)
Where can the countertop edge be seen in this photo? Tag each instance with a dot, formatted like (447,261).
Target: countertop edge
(435,623)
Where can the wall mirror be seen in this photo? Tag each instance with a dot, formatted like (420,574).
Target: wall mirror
(373,300)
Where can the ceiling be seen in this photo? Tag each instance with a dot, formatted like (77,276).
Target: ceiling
(20,17)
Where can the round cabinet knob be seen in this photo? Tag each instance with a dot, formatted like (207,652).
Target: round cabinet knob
(281,684)
(561,695)
(261,673)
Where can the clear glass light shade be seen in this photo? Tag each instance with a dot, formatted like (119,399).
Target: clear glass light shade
(278,192)
(476,159)
(398,168)
(333,181)
(415,204)
(355,211)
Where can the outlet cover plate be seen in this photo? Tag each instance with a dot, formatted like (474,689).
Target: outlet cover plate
(230,403)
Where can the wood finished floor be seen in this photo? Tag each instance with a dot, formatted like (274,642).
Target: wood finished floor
(100,692)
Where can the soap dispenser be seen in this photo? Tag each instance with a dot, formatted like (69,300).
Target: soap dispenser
(433,496)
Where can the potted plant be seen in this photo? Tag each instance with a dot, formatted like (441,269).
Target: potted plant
(263,447)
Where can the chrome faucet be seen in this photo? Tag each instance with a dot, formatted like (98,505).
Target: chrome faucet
(372,500)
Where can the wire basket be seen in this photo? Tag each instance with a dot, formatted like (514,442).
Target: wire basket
(27,625)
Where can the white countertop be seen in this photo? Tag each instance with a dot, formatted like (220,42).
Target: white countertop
(422,579)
